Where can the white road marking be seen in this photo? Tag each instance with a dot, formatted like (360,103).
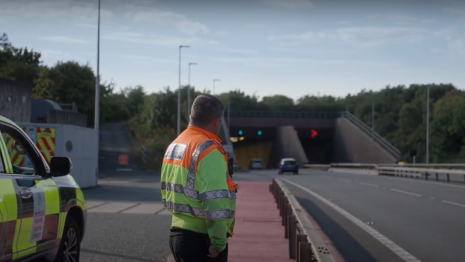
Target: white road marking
(453,203)
(405,192)
(112,207)
(368,184)
(378,236)
(126,208)
(144,209)
(93,204)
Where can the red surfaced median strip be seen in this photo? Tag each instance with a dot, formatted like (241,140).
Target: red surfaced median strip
(258,232)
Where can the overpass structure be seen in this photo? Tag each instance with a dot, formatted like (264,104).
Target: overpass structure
(310,137)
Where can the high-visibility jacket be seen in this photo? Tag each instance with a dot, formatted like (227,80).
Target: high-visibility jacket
(196,186)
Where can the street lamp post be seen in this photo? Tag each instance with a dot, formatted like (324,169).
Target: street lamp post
(427,126)
(214,81)
(189,92)
(179,90)
(97,79)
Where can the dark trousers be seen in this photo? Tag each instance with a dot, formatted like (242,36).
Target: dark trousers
(188,246)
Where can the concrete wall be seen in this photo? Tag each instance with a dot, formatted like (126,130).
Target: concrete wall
(15,100)
(245,153)
(352,145)
(287,144)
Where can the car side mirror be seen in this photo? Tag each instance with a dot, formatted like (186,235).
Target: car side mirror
(60,166)
(231,166)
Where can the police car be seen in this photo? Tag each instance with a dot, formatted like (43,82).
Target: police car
(42,209)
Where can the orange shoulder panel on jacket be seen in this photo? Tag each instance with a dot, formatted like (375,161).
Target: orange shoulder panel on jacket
(192,139)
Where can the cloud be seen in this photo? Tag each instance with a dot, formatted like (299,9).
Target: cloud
(144,58)
(404,19)
(286,61)
(457,48)
(87,25)
(51,56)
(290,4)
(52,9)
(254,26)
(133,37)
(63,39)
(222,33)
(343,22)
(136,57)
(236,50)
(453,10)
(368,36)
(182,22)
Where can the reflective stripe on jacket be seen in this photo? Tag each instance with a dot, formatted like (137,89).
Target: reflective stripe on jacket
(194,185)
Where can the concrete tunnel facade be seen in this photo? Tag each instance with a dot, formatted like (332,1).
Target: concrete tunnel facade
(340,139)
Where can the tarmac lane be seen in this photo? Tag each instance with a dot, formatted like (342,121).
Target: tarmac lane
(126,220)
(373,218)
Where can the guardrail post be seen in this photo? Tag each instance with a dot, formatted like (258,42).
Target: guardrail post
(286,225)
(305,252)
(279,199)
(437,178)
(284,216)
(448,179)
(281,207)
(426,176)
(299,239)
(292,236)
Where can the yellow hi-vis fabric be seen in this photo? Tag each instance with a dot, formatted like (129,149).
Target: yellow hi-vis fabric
(194,186)
(36,223)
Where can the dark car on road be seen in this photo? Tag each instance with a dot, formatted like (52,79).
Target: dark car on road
(288,165)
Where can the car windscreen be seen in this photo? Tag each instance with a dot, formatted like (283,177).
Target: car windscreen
(289,162)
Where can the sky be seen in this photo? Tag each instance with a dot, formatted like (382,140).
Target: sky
(262,47)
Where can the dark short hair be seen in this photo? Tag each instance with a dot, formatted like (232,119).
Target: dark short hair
(205,109)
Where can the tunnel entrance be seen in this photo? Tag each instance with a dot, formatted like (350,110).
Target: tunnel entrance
(317,144)
(320,138)
(250,143)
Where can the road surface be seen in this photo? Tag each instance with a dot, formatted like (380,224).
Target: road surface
(126,221)
(423,219)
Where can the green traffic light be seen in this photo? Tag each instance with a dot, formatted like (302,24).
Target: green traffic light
(240,132)
(259,132)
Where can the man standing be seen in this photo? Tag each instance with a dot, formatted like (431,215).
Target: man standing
(197,189)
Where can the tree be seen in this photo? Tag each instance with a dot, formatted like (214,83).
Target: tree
(320,103)
(20,64)
(278,102)
(69,82)
(448,128)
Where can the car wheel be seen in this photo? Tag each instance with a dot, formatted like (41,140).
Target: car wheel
(70,245)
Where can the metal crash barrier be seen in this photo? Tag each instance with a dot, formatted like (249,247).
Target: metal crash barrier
(445,175)
(305,243)
(434,172)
